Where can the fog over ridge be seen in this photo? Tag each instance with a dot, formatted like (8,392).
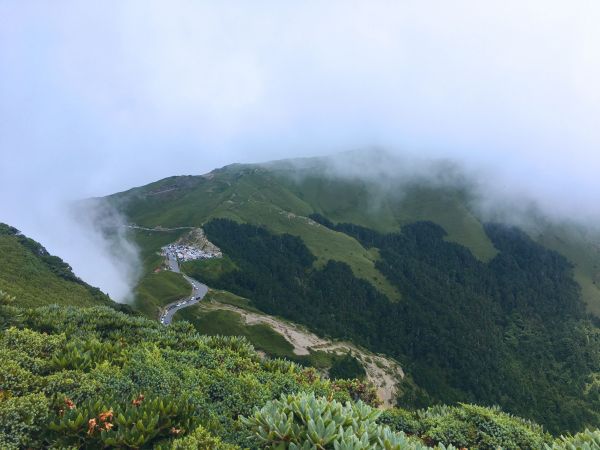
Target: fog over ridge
(98,98)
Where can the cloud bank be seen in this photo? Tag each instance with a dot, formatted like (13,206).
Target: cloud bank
(96,98)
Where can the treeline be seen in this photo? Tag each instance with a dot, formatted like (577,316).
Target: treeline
(510,332)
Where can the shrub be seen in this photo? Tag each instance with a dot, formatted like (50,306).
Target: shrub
(113,423)
(586,440)
(303,422)
(471,426)
(21,420)
(400,420)
(356,390)
(201,439)
(347,367)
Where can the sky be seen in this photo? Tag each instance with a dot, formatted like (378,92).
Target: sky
(98,97)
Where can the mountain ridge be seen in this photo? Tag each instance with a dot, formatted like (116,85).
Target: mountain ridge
(299,192)
(449,260)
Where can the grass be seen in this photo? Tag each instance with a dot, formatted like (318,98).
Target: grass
(159,289)
(24,276)
(366,204)
(207,270)
(447,208)
(583,250)
(229,323)
(262,336)
(281,198)
(319,359)
(229,298)
(150,243)
(253,196)
(155,290)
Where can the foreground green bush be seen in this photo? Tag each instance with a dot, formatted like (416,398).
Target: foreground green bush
(468,426)
(586,440)
(72,378)
(305,422)
(96,378)
(117,423)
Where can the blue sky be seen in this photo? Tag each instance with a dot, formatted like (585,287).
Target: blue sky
(97,97)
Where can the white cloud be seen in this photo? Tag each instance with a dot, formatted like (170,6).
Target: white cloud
(96,98)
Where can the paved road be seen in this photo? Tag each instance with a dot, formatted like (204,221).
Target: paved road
(199,290)
(136,227)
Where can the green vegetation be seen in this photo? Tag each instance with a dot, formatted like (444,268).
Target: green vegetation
(150,243)
(495,319)
(214,322)
(586,440)
(581,246)
(304,422)
(157,290)
(346,366)
(227,298)
(466,330)
(229,323)
(469,426)
(94,377)
(85,378)
(351,200)
(208,269)
(29,273)
(281,196)
(246,194)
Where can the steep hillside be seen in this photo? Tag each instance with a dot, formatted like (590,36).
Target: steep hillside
(156,289)
(90,378)
(245,194)
(465,330)
(282,195)
(473,311)
(223,313)
(34,277)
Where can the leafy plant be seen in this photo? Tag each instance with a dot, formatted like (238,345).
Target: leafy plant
(304,422)
(113,423)
(586,440)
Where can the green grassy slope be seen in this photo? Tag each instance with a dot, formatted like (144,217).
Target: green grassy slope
(155,290)
(363,203)
(283,194)
(229,323)
(252,195)
(211,322)
(582,248)
(36,278)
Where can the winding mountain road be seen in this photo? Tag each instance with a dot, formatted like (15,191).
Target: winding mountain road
(199,290)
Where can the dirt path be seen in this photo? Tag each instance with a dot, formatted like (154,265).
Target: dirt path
(383,372)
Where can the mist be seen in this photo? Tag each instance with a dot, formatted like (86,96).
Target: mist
(97,98)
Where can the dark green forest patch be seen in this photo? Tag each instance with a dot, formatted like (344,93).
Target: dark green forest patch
(511,331)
